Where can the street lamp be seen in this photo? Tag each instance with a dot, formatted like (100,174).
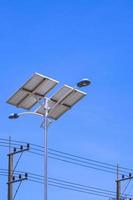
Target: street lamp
(17,115)
(13,116)
(32,92)
(83,83)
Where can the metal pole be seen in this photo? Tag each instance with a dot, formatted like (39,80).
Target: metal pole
(118,190)
(10,176)
(118,185)
(46,150)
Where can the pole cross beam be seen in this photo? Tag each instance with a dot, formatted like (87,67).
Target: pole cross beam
(22,149)
(18,180)
(125,179)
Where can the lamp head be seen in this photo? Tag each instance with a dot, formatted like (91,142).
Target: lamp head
(84,82)
(13,116)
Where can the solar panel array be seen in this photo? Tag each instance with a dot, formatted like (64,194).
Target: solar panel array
(37,87)
(32,91)
(62,101)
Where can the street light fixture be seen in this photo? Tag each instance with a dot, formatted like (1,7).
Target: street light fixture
(83,83)
(17,115)
(13,116)
(36,89)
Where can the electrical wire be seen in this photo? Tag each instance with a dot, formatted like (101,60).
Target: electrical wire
(82,165)
(126,186)
(69,158)
(55,151)
(41,147)
(13,142)
(17,162)
(79,162)
(81,189)
(40,179)
(72,162)
(59,152)
(17,190)
(70,188)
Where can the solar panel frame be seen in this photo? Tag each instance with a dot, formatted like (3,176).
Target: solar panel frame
(58,101)
(31,91)
(70,92)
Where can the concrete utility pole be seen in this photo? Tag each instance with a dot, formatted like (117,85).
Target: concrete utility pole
(119,181)
(118,185)
(11,178)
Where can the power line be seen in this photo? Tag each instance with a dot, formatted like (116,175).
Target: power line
(17,190)
(61,153)
(67,158)
(82,165)
(78,162)
(126,187)
(41,147)
(67,186)
(73,159)
(40,179)
(80,185)
(73,189)
(79,189)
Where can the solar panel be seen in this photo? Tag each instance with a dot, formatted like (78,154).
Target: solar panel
(32,91)
(62,101)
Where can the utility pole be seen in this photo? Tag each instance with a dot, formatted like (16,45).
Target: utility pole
(11,168)
(118,185)
(10,176)
(119,181)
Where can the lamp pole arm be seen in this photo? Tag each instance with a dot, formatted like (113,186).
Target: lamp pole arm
(30,113)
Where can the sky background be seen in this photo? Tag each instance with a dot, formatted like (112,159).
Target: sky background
(70,40)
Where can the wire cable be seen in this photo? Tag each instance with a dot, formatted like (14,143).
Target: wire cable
(126,186)
(111,169)
(17,162)
(17,190)
(40,179)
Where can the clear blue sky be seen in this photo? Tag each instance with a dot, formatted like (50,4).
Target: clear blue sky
(69,40)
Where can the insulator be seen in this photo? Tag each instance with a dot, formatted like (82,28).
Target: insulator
(26,175)
(123,176)
(20,176)
(28,146)
(21,147)
(14,149)
(130,174)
